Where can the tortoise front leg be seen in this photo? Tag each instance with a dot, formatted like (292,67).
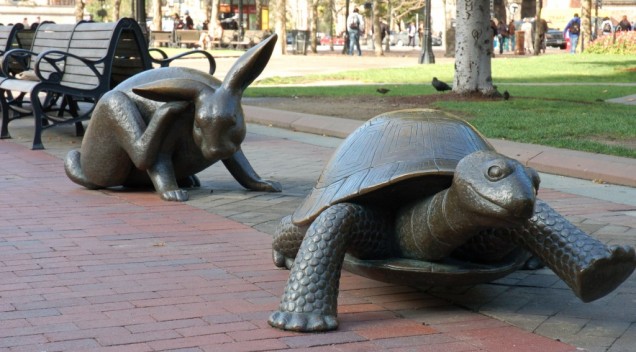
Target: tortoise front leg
(588,266)
(310,301)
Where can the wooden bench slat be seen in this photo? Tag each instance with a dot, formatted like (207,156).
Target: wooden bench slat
(120,48)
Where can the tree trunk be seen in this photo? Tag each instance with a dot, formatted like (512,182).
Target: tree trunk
(279,27)
(79,10)
(312,26)
(156,15)
(258,5)
(116,10)
(377,35)
(586,24)
(450,9)
(474,48)
(214,16)
(538,29)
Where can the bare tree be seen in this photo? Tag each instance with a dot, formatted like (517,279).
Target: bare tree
(116,10)
(214,16)
(450,10)
(404,8)
(586,24)
(280,22)
(79,10)
(312,26)
(473,48)
(258,5)
(379,9)
(156,15)
(538,29)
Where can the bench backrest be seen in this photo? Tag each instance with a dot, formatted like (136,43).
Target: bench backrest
(108,44)
(24,38)
(187,35)
(50,36)
(228,36)
(7,38)
(159,37)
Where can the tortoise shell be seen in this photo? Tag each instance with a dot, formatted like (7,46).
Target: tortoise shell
(394,156)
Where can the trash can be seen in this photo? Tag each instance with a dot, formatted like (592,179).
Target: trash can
(300,40)
(520,42)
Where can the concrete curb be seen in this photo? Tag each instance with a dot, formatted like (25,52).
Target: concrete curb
(564,162)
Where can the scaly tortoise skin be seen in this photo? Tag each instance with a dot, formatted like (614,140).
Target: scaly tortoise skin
(420,197)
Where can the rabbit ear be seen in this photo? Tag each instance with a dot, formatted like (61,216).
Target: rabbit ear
(249,66)
(172,89)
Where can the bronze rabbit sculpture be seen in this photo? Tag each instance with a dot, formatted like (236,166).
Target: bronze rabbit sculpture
(163,126)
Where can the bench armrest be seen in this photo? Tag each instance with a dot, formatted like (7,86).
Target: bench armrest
(53,57)
(15,56)
(165,61)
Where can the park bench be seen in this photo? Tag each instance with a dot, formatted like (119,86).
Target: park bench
(161,39)
(9,40)
(187,37)
(250,38)
(71,67)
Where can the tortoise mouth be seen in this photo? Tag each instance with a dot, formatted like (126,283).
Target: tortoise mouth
(511,210)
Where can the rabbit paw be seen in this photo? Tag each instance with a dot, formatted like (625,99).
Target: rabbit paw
(270,186)
(176,195)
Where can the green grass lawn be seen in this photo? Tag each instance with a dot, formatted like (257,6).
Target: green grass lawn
(558,100)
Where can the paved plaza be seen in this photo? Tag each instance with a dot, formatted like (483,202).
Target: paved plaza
(121,270)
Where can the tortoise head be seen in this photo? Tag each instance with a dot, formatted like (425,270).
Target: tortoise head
(495,187)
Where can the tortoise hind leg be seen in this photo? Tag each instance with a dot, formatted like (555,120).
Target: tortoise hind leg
(588,266)
(286,243)
(310,299)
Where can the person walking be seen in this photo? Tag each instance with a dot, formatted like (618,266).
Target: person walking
(411,33)
(624,24)
(573,30)
(511,35)
(541,30)
(526,27)
(606,26)
(502,35)
(355,26)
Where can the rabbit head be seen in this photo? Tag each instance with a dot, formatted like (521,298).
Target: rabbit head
(219,123)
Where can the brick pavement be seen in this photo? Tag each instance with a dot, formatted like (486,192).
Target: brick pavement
(122,270)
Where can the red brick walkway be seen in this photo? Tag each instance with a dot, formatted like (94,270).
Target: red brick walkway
(125,271)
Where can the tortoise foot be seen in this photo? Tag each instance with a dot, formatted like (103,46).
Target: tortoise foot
(605,274)
(303,322)
(281,261)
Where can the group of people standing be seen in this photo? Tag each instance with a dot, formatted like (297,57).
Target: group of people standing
(573,29)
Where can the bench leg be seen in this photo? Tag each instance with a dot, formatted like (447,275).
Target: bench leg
(4,133)
(38,111)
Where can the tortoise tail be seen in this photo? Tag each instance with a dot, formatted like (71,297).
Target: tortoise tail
(588,266)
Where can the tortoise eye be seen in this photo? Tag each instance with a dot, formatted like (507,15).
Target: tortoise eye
(497,172)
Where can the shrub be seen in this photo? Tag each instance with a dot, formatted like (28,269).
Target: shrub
(623,43)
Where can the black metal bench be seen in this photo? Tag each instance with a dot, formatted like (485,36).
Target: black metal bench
(74,67)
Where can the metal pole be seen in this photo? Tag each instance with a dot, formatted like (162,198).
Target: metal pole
(427,56)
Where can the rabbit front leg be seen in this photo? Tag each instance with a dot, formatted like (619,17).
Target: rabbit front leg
(162,175)
(244,173)
(145,148)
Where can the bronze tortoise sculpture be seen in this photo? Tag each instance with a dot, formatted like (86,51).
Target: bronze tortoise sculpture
(420,197)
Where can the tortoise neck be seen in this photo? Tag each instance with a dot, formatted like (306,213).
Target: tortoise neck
(432,228)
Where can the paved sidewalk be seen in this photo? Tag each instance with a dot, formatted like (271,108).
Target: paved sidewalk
(121,270)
